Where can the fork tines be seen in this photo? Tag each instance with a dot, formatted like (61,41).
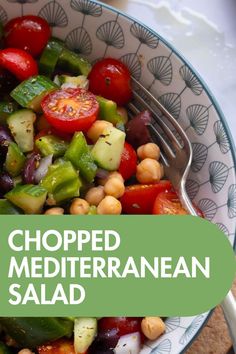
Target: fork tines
(164,129)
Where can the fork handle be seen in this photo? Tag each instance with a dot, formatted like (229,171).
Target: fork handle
(229,303)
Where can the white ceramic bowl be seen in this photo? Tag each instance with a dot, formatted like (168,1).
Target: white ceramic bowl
(96,30)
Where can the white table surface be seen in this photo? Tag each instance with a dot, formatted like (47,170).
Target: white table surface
(205,32)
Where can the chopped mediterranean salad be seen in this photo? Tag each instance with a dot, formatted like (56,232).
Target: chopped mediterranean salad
(68,146)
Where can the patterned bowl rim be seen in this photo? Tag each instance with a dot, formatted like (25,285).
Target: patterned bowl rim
(215,104)
(195,72)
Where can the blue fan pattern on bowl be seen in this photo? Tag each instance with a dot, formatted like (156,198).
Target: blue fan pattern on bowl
(94,30)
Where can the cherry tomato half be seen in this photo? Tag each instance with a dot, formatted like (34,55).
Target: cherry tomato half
(124,325)
(30,33)
(110,78)
(18,62)
(139,198)
(70,110)
(128,162)
(60,346)
(199,211)
(168,203)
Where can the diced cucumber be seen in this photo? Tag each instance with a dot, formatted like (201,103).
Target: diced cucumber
(51,145)
(108,149)
(50,56)
(67,81)
(15,160)
(6,109)
(108,111)
(61,181)
(29,198)
(79,154)
(21,125)
(72,62)
(6,208)
(85,330)
(30,93)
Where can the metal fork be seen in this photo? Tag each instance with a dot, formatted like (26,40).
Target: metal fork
(176,155)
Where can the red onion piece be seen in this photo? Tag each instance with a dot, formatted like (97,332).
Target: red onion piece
(28,173)
(6,183)
(5,135)
(5,139)
(42,170)
(101,173)
(129,344)
(137,132)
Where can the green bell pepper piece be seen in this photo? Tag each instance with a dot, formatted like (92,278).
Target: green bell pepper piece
(108,111)
(30,332)
(61,181)
(51,145)
(80,155)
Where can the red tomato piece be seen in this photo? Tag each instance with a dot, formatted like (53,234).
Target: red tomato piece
(139,198)
(199,212)
(128,163)
(60,346)
(70,110)
(110,78)
(124,325)
(18,62)
(168,203)
(30,33)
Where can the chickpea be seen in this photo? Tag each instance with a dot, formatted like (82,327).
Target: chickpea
(152,327)
(115,174)
(79,207)
(54,211)
(109,206)
(95,195)
(25,351)
(51,201)
(114,187)
(148,171)
(96,129)
(149,150)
